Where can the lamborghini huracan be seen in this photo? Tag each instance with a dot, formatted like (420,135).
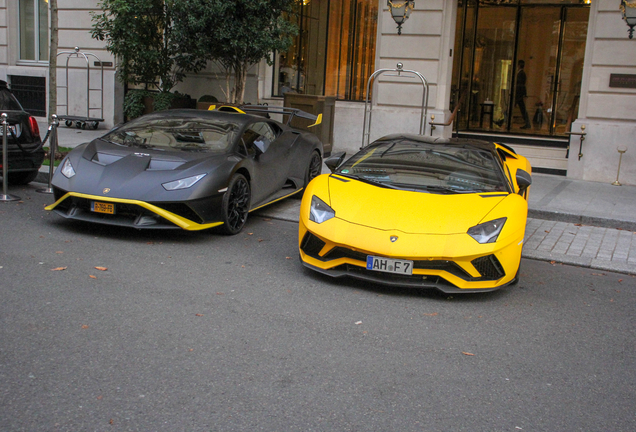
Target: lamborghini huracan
(416,211)
(189,169)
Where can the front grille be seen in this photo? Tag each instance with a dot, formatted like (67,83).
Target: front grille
(489,267)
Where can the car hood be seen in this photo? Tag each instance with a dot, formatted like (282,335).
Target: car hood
(136,173)
(407,211)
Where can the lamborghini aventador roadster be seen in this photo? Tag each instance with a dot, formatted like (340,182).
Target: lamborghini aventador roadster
(187,169)
(417,211)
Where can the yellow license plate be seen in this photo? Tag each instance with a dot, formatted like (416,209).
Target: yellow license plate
(99,207)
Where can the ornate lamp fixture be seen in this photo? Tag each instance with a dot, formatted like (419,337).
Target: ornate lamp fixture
(400,11)
(628,8)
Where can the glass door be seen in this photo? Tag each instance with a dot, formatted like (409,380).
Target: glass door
(518,66)
(494,48)
(550,52)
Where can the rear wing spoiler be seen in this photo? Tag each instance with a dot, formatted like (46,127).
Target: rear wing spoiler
(264,109)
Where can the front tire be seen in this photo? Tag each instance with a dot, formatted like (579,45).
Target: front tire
(236,205)
(22,178)
(314,169)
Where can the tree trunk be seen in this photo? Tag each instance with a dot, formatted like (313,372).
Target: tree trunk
(240,81)
(53,60)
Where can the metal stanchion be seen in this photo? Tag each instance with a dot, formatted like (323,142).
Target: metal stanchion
(52,150)
(621,150)
(5,197)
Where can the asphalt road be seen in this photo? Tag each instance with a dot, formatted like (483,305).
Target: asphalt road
(201,332)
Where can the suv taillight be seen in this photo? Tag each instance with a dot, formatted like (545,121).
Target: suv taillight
(35,129)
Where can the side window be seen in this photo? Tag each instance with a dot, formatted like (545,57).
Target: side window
(258,137)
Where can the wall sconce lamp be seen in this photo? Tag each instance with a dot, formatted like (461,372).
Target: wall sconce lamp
(400,11)
(628,8)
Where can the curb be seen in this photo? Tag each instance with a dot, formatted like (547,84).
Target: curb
(592,263)
(600,222)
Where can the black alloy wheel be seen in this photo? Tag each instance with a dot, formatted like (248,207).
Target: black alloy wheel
(236,205)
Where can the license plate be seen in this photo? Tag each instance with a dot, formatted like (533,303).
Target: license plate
(389,265)
(99,207)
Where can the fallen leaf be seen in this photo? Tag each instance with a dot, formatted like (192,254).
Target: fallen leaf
(111,421)
(547,231)
(620,280)
(578,224)
(431,314)
(101,268)
(198,314)
(92,277)
(84,326)
(59,252)
(59,268)
(250,233)
(287,257)
(266,219)
(598,274)
(553,262)
(220,293)
(260,240)
(467,353)
(99,397)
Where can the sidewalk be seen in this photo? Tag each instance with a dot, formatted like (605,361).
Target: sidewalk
(576,222)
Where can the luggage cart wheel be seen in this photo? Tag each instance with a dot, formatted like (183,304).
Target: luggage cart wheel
(94,125)
(69,123)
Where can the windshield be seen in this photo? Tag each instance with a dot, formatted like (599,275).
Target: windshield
(8,101)
(436,168)
(185,134)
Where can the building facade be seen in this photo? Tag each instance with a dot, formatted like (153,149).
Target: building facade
(554,79)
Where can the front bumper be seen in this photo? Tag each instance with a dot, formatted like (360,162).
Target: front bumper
(455,263)
(134,213)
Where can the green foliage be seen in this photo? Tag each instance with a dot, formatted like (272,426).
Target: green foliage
(236,34)
(134,103)
(140,34)
(208,98)
(163,101)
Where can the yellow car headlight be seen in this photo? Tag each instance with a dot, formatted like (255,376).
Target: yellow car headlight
(319,211)
(487,232)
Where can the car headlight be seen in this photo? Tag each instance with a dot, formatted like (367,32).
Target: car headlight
(67,169)
(487,232)
(182,183)
(319,211)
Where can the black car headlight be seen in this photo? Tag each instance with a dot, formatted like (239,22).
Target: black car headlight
(487,232)
(319,211)
(67,169)
(182,183)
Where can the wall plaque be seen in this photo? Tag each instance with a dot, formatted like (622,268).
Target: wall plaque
(623,81)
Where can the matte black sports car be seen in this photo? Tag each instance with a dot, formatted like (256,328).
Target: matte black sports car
(187,169)
(24,146)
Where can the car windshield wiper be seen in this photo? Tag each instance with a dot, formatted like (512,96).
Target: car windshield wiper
(369,181)
(449,190)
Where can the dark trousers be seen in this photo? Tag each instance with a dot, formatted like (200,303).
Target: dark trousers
(522,107)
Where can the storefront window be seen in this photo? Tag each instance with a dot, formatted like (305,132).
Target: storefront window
(34,29)
(334,52)
(519,65)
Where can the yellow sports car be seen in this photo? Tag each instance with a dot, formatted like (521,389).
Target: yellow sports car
(416,211)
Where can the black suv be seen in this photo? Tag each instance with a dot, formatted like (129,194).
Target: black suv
(25,154)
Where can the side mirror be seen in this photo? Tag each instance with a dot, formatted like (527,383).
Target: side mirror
(524,180)
(334,161)
(261,145)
